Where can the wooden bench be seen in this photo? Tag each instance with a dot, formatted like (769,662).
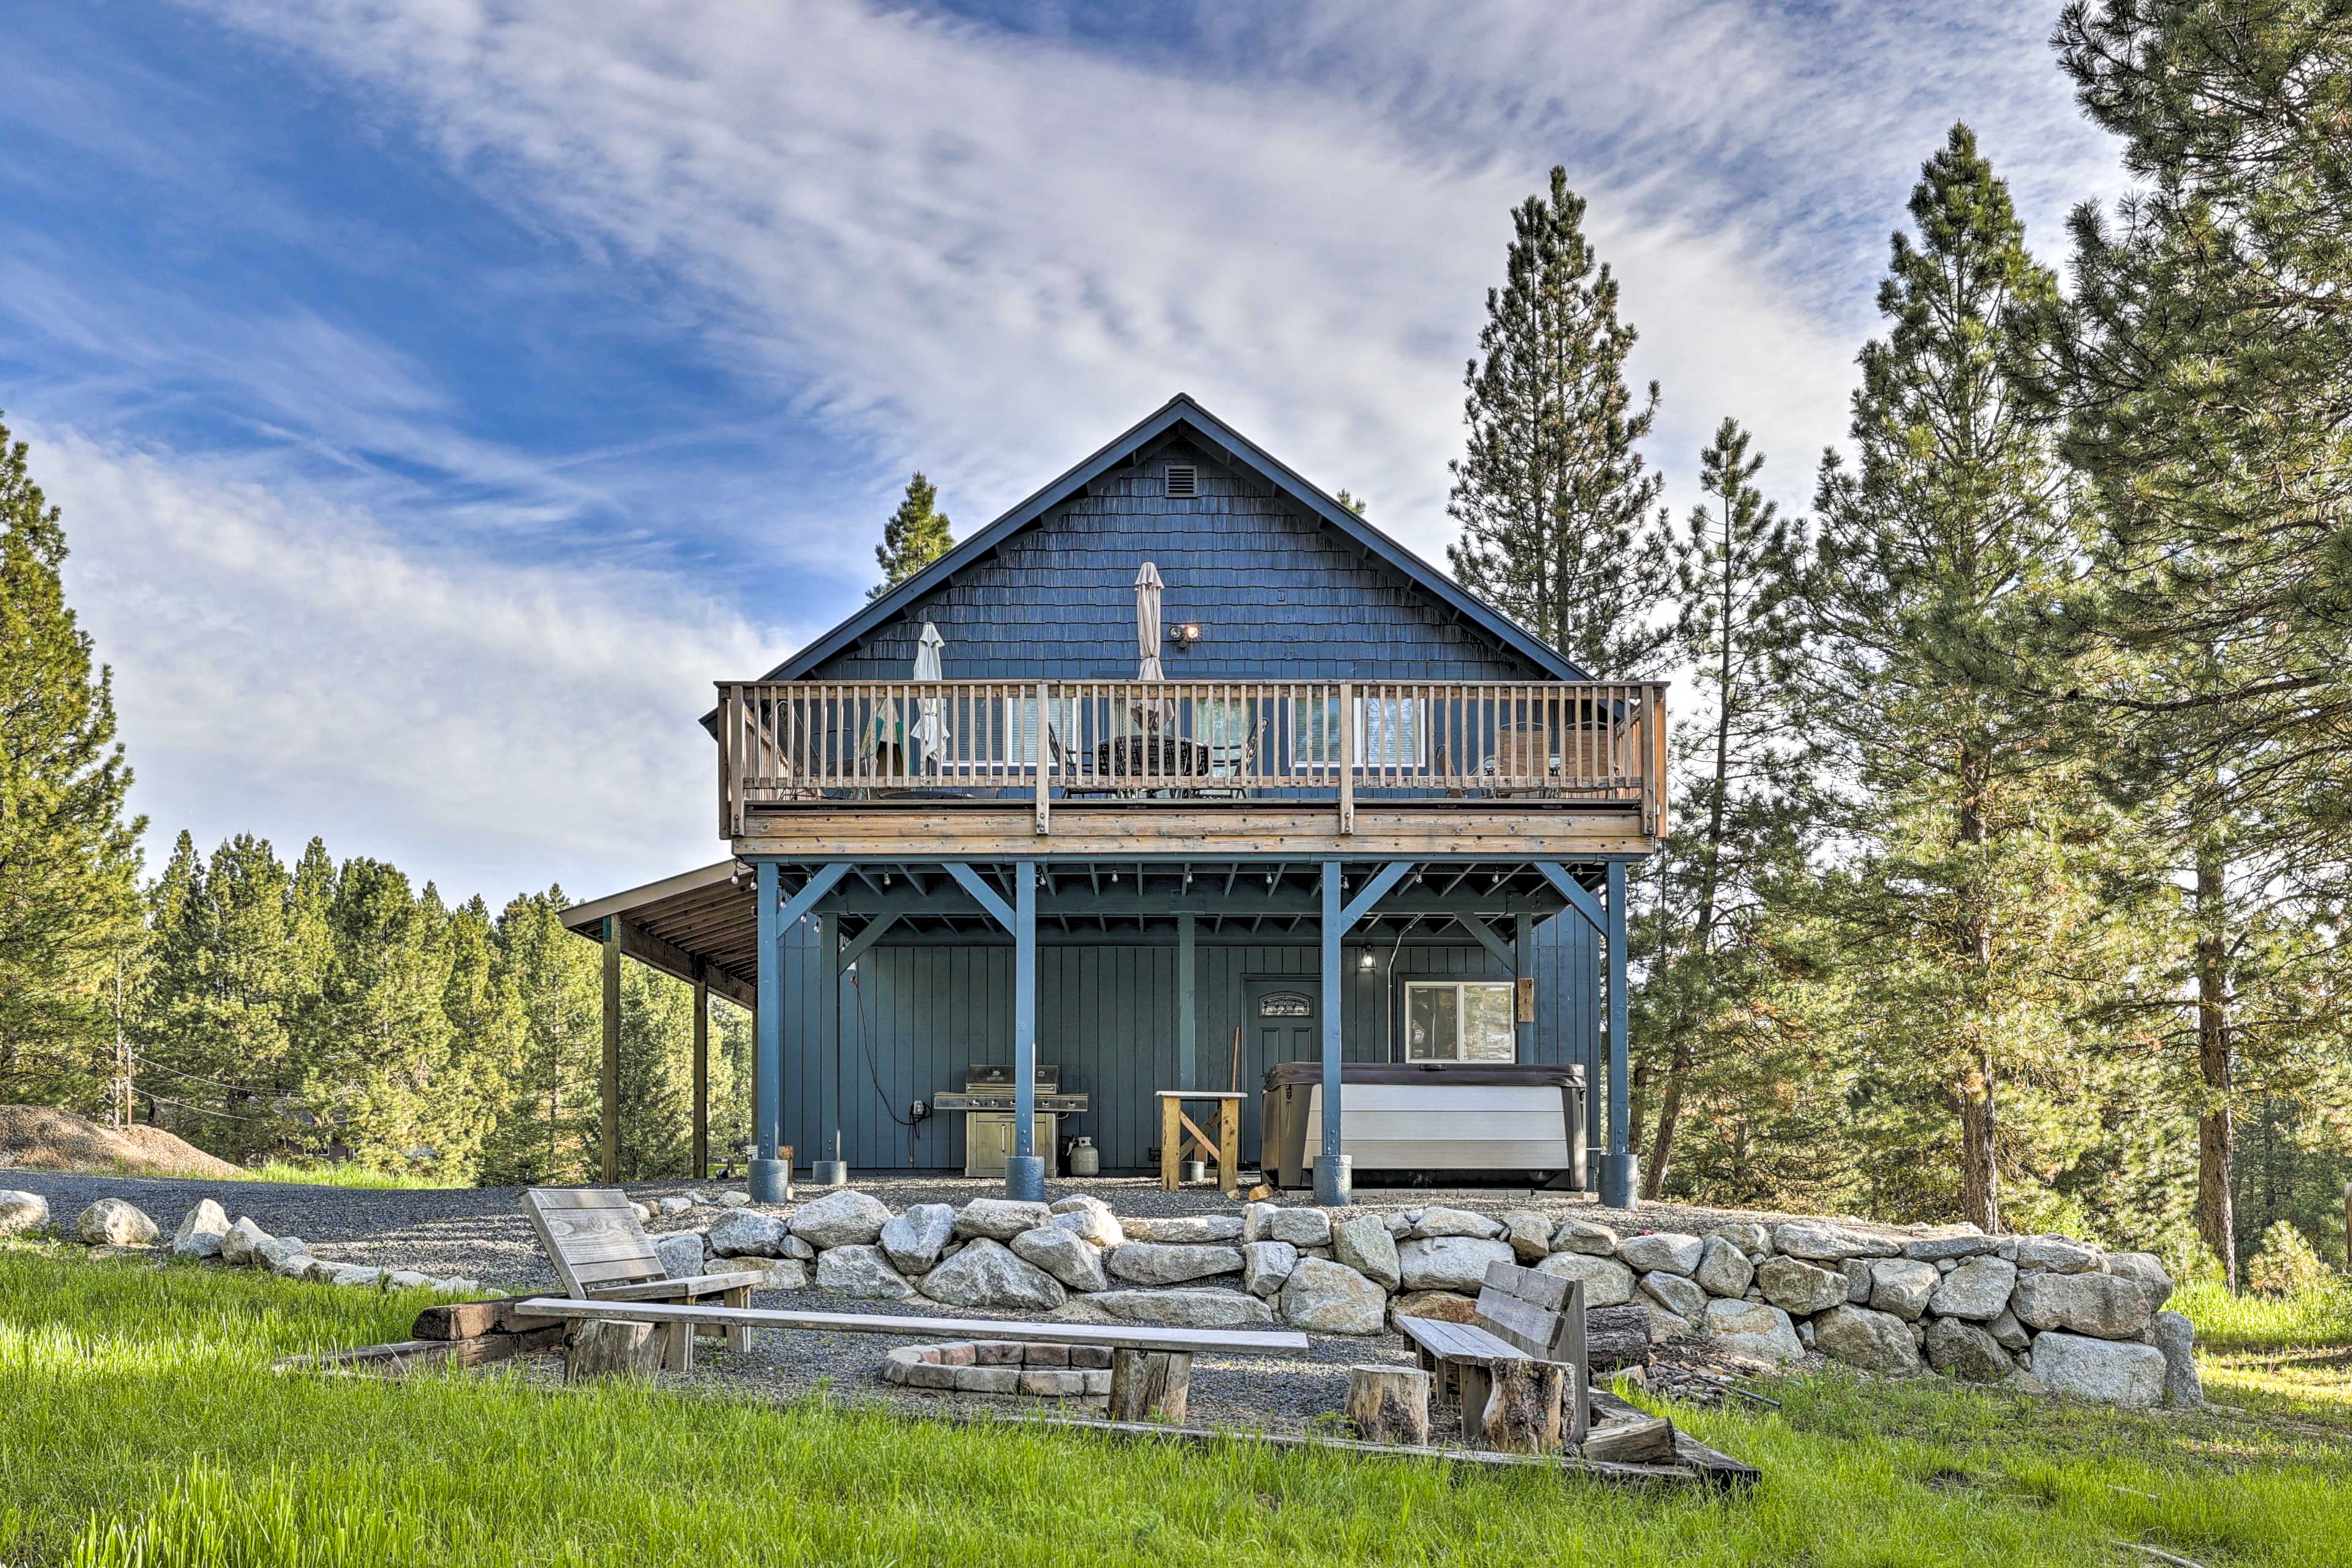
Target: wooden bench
(602,1255)
(1151,1371)
(1520,1366)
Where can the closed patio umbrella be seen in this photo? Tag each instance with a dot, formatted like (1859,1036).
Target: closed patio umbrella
(931,728)
(1147,636)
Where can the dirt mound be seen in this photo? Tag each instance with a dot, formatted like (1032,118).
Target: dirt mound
(37,1137)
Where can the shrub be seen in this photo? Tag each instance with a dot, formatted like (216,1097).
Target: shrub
(2286,1265)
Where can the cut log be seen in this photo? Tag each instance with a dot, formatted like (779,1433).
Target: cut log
(1521,1415)
(392,1360)
(1617,1336)
(471,1320)
(1649,1442)
(1388,1404)
(1150,1386)
(611,1348)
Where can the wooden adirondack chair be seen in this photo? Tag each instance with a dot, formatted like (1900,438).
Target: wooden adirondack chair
(601,1254)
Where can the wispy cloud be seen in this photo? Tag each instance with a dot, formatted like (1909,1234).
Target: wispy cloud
(286,666)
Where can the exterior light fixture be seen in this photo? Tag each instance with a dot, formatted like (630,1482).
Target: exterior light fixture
(1184,634)
(1365,961)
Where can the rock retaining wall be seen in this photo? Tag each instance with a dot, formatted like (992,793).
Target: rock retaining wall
(2041,1312)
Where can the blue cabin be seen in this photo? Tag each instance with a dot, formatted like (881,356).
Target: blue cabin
(1179,780)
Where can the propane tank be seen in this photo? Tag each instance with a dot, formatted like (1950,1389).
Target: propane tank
(1086,1160)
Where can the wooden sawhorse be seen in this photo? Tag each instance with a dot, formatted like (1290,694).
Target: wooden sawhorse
(1226,1149)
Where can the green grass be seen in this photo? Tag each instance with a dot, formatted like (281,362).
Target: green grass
(140,1425)
(362,1176)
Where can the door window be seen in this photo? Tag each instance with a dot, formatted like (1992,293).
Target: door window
(1458,1021)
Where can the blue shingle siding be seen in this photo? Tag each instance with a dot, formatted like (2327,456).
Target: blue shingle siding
(915,1016)
(1275,592)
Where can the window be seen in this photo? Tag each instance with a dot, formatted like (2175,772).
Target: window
(1015,739)
(1390,732)
(1285,1004)
(1223,724)
(1451,1021)
(1184,479)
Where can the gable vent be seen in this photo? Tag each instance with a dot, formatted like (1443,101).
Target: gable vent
(1184,479)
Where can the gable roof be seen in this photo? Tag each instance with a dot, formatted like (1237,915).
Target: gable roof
(1181,414)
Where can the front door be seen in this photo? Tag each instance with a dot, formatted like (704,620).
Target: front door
(1279,1021)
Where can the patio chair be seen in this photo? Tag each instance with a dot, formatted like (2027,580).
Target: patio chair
(1074,772)
(1229,762)
(601,1254)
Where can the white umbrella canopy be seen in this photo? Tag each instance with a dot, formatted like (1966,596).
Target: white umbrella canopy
(931,729)
(1147,636)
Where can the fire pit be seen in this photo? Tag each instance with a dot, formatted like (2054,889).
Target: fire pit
(1004,1366)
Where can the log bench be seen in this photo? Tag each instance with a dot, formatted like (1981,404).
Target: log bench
(1519,1367)
(1151,1369)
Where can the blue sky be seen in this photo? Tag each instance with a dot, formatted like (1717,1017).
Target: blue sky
(441,395)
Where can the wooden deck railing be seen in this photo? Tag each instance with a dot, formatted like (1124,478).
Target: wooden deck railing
(786,743)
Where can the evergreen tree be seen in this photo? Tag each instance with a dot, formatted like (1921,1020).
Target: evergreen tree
(657,1078)
(2206,366)
(1554,504)
(1940,551)
(69,858)
(1740,823)
(917,534)
(2205,370)
(1356,504)
(549,1132)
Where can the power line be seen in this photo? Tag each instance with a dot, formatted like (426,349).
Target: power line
(208,1082)
(199,1109)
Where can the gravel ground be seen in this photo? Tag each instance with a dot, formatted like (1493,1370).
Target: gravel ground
(479,1233)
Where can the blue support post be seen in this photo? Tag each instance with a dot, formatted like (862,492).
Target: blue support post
(1523,976)
(771,1178)
(1333,1186)
(1617,1173)
(1024,1171)
(1188,1017)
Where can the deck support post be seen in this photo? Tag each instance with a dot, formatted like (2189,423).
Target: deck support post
(1617,1167)
(1334,1187)
(1025,1169)
(1523,975)
(608,1077)
(700,1158)
(772,1179)
(772,1165)
(1188,1020)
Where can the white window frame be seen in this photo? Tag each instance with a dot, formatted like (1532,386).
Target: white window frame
(1461,1012)
(1405,718)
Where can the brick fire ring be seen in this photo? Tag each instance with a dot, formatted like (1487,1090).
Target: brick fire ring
(1002,1366)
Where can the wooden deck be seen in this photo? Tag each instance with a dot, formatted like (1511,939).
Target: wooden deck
(1401,769)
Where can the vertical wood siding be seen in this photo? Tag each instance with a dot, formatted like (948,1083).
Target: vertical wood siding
(913,1018)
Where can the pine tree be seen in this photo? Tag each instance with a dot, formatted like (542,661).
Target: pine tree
(1551,495)
(69,858)
(917,534)
(1940,552)
(2205,370)
(548,1132)
(1740,820)
(1356,504)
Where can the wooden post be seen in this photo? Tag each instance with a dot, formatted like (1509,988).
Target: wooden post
(1332,1183)
(1389,1404)
(1150,1386)
(699,1159)
(1022,1179)
(1522,1409)
(1347,759)
(1229,1147)
(1188,1031)
(1617,1181)
(1523,973)
(608,1081)
(1039,754)
(771,1180)
(1172,1134)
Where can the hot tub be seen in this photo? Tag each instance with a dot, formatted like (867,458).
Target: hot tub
(1429,1123)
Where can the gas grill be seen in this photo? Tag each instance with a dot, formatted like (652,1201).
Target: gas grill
(986,1102)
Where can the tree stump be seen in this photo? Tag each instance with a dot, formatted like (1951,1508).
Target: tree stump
(1150,1386)
(1389,1404)
(1649,1442)
(1521,1412)
(608,1348)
